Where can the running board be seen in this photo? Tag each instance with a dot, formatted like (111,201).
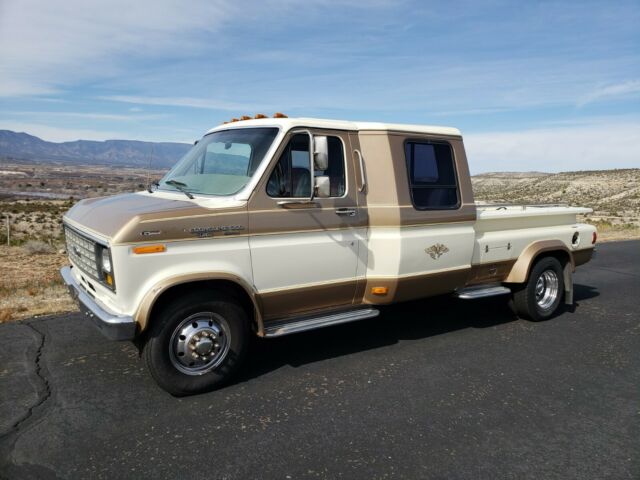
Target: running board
(472,293)
(280,328)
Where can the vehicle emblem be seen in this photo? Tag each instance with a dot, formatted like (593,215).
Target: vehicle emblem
(437,250)
(77,251)
(150,233)
(209,231)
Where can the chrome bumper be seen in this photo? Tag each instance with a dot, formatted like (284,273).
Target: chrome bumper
(112,326)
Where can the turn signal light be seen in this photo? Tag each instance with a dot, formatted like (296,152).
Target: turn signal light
(279,115)
(149,249)
(594,237)
(109,279)
(379,290)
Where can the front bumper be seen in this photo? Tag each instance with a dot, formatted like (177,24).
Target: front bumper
(112,326)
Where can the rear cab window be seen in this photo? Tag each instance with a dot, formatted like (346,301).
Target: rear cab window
(432,175)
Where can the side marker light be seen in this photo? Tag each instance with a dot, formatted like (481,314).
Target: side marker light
(149,249)
(379,290)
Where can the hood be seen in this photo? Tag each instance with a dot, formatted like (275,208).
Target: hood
(124,218)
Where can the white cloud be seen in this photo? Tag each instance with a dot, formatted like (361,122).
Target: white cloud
(47,45)
(617,90)
(57,134)
(90,116)
(204,102)
(582,147)
(69,134)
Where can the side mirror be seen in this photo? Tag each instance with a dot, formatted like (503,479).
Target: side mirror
(320,153)
(323,186)
(318,160)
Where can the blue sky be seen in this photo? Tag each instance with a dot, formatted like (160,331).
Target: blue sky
(532,85)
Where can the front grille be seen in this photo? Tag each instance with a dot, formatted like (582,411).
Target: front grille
(82,252)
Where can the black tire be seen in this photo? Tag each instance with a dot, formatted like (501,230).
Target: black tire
(160,350)
(532,305)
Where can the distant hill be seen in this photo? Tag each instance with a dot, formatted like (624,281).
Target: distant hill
(613,194)
(132,153)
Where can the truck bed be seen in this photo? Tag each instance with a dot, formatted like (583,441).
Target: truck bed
(504,231)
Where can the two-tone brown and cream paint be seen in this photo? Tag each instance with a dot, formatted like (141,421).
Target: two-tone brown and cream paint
(387,241)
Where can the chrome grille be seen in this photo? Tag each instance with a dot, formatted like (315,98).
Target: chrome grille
(82,252)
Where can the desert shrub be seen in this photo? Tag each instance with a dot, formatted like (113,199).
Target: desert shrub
(37,247)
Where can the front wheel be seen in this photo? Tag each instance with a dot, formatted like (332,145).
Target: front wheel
(540,297)
(196,343)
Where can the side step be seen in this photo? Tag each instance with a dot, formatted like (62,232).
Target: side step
(280,328)
(471,293)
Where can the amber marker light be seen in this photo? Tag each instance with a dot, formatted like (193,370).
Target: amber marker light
(234,120)
(379,290)
(245,117)
(259,116)
(279,115)
(149,249)
(109,279)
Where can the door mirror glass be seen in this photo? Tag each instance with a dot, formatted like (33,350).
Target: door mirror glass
(320,152)
(323,186)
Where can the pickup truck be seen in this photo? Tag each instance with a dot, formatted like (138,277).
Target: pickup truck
(272,226)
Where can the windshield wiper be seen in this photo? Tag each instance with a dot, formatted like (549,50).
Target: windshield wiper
(152,184)
(180,186)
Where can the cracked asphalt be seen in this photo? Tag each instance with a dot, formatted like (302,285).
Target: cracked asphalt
(439,388)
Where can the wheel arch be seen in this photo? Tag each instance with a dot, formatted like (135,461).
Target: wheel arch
(533,252)
(168,288)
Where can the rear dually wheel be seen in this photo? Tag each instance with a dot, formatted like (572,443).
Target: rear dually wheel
(540,297)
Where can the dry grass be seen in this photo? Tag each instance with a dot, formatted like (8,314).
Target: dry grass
(31,285)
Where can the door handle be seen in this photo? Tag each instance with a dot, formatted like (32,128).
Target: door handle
(349,212)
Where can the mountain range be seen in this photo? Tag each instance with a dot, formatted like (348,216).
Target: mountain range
(131,153)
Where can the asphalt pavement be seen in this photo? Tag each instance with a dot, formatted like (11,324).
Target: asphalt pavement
(440,388)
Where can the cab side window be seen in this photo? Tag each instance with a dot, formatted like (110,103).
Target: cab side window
(290,177)
(432,175)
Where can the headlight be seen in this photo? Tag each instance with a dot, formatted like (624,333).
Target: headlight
(106,260)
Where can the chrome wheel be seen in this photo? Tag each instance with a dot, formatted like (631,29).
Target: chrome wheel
(547,290)
(199,343)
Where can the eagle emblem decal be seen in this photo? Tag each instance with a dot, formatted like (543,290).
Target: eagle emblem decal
(437,250)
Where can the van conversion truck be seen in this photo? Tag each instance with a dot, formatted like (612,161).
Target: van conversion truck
(272,226)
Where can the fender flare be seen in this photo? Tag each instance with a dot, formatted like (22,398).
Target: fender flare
(151,297)
(520,270)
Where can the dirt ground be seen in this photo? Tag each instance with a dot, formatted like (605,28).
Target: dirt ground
(31,285)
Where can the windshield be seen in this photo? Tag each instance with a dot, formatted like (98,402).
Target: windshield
(222,163)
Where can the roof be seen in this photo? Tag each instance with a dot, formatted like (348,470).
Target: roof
(288,123)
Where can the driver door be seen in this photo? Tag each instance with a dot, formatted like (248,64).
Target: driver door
(304,252)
